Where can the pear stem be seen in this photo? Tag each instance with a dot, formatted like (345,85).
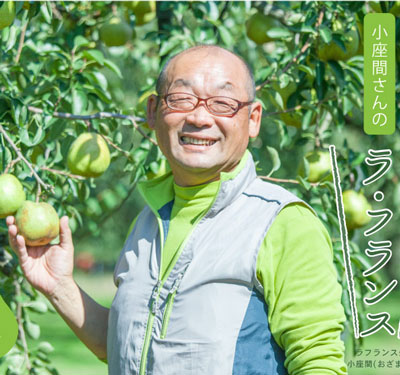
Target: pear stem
(11,164)
(18,152)
(38,193)
(125,153)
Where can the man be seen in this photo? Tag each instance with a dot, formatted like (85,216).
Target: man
(221,273)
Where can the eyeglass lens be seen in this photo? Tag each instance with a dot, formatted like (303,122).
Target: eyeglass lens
(187,102)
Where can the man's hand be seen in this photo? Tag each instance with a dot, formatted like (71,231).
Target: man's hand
(49,267)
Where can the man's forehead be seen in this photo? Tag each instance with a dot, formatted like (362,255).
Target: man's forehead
(228,68)
(210,55)
(182,82)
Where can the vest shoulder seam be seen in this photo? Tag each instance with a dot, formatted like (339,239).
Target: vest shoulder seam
(261,197)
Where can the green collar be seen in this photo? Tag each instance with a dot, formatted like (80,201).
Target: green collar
(159,191)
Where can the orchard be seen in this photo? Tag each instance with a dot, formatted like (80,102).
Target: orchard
(74,81)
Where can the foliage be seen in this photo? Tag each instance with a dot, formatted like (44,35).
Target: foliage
(53,63)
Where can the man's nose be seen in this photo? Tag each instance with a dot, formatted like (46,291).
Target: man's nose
(200,116)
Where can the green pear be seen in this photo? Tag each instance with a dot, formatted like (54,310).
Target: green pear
(89,155)
(332,51)
(320,166)
(115,32)
(38,223)
(7,14)
(12,195)
(8,328)
(258,26)
(355,209)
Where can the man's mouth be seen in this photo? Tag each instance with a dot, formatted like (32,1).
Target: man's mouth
(197,141)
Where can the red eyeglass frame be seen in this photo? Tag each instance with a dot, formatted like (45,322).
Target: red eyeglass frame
(199,100)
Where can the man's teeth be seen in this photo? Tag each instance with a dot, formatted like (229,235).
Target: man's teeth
(196,141)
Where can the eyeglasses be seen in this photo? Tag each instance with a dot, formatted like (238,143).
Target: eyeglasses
(216,105)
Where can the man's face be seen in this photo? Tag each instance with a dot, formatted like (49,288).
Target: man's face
(200,145)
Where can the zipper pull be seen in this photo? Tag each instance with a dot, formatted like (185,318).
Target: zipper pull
(154,297)
(176,283)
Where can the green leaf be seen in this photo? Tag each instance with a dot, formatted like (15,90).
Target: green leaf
(32,329)
(304,183)
(73,185)
(169,45)
(338,71)
(37,306)
(110,65)
(12,37)
(358,73)
(79,101)
(326,34)
(307,118)
(101,80)
(276,161)
(278,32)
(212,11)
(104,95)
(338,39)
(45,347)
(307,29)
(46,11)
(118,137)
(226,36)
(25,139)
(80,41)
(94,55)
(320,70)
(304,168)
(307,69)
(347,105)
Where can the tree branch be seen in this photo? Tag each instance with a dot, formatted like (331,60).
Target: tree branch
(297,107)
(98,115)
(18,152)
(125,153)
(63,173)
(21,43)
(11,164)
(295,59)
(21,330)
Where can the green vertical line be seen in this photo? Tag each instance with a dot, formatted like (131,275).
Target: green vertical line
(345,241)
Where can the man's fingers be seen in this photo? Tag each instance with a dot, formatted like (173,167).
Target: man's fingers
(65,234)
(17,243)
(12,234)
(10,220)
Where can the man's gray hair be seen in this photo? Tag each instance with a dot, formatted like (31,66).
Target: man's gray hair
(162,78)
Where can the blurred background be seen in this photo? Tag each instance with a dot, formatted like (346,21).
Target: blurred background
(82,58)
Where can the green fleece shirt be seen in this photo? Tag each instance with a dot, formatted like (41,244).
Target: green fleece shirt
(295,268)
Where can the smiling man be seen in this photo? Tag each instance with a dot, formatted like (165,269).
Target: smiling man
(221,273)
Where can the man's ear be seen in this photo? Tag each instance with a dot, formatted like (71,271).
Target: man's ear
(152,103)
(255,119)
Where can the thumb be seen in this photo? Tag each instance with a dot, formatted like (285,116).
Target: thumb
(65,234)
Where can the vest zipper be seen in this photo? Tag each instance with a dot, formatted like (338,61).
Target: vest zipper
(157,290)
(170,303)
(153,308)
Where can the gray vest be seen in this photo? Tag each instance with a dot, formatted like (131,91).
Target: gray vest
(209,317)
